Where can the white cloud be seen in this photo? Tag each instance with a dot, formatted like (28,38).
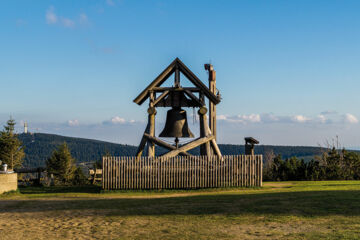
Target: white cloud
(117,120)
(349,118)
(67,22)
(20,22)
(269,118)
(50,16)
(73,123)
(221,117)
(110,2)
(321,118)
(327,117)
(251,118)
(300,118)
(83,19)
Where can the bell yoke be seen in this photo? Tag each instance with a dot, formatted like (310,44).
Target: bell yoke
(176,125)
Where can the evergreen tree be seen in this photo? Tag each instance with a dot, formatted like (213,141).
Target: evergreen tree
(11,150)
(62,165)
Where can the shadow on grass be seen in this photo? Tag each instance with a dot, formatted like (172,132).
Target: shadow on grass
(311,203)
(60,189)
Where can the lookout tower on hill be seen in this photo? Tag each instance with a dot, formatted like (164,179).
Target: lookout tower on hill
(177,97)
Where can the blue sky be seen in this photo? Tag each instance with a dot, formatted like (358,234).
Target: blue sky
(288,71)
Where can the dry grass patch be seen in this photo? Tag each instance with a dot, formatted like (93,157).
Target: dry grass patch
(296,210)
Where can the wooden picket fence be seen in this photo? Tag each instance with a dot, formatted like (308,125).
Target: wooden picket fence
(181,172)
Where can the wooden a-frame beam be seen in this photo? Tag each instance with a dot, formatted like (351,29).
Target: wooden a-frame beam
(164,144)
(189,146)
(193,97)
(197,82)
(142,142)
(176,64)
(164,94)
(157,82)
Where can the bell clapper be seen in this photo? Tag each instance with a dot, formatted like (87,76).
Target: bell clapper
(177,142)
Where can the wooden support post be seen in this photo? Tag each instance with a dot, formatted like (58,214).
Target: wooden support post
(205,148)
(212,106)
(152,113)
(177,77)
(216,148)
(142,142)
(151,145)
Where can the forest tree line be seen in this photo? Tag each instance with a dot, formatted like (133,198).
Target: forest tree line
(333,164)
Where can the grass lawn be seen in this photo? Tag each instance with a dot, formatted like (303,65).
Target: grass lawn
(284,210)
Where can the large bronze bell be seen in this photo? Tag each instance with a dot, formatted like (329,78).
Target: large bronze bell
(176,124)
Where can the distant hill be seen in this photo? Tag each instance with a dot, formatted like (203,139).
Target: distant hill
(39,146)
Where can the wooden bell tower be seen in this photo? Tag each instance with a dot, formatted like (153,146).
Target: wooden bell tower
(178,97)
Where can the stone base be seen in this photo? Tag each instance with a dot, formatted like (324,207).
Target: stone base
(8,182)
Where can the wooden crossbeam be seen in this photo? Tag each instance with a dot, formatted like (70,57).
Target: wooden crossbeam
(189,146)
(164,144)
(162,89)
(193,97)
(164,94)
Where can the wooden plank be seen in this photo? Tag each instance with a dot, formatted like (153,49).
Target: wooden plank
(237,171)
(261,170)
(121,181)
(242,171)
(253,170)
(137,173)
(102,177)
(120,171)
(212,170)
(171,171)
(216,168)
(117,179)
(130,173)
(181,172)
(110,173)
(187,172)
(141,174)
(145,173)
(105,173)
(115,173)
